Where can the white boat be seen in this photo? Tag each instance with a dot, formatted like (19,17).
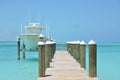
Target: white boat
(31,36)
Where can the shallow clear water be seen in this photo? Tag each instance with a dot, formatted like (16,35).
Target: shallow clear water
(108,61)
(108,57)
(12,69)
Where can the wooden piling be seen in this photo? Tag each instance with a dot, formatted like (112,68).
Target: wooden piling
(77,51)
(47,54)
(83,54)
(52,50)
(41,62)
(23,50)
(68,47)
(18,45)
(41,37)
(50,53)
(92,59)
(72,49)
(54,47)
(64,67)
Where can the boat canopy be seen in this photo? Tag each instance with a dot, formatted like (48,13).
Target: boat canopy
(34,27)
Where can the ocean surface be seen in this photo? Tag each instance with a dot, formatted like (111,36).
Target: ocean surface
(108,66)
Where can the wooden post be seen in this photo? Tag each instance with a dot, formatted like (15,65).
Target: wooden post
(47,54)
(67,45)
(41,37)
(51,52)
(23,50)
(83,54)
(92,59)
(72,48)
(77,56)
(54,47)
(18,43)
(41,62)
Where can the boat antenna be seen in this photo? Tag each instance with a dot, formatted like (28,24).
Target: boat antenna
(46,31)
(39,16)
(29,14)
(42,20)
(21,28)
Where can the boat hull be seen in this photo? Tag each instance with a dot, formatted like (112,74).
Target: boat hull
(30,42)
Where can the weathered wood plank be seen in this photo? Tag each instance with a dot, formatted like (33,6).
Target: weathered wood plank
(65,67)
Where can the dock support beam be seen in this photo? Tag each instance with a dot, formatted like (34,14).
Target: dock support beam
(41,62)
(53,46)
(92,59)
(50,48)
(47,54)
(77,45)
(70,47)
(83,54)
(23,50)
(18,45)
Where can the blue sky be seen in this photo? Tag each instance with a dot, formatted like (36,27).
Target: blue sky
(67,19)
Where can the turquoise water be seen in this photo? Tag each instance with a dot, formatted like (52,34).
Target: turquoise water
(108,58)
(108,61)
(12,69)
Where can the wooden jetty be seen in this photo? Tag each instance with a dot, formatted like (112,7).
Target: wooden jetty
(65,67)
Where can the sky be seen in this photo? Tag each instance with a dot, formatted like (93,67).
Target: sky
(68,20)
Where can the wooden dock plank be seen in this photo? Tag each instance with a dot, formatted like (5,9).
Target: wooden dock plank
(64,67)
